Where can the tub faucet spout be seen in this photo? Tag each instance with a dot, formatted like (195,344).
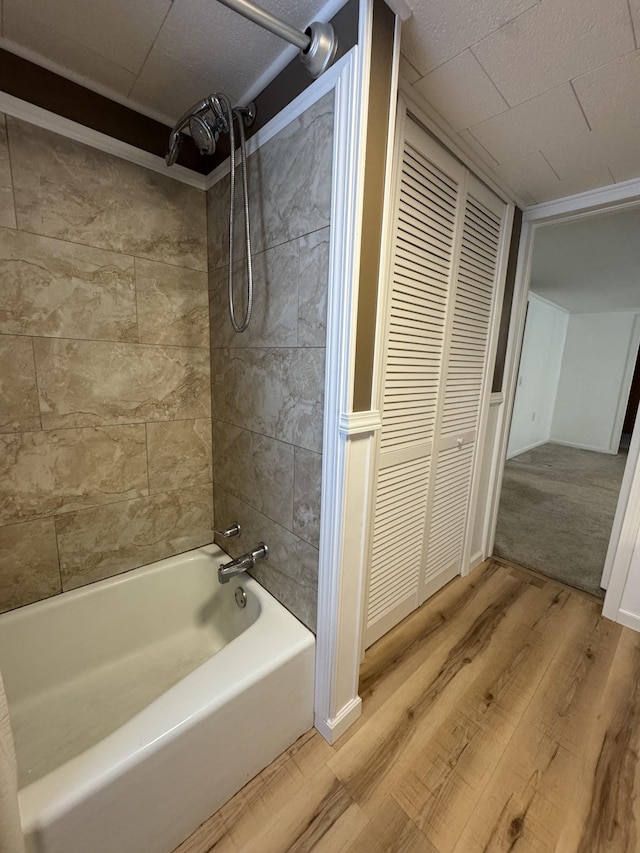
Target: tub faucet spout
(247,561)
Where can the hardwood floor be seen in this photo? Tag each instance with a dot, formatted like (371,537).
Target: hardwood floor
(502,716)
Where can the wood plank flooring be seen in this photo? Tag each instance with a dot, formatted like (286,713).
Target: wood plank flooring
(502,716)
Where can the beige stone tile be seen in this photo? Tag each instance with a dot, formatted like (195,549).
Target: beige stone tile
(179,453)
(104,541)
(18,389)
(68,190)
(83,383)
(28,563)
(255,468)
(277,392)
(289,188)
(291,571)
(275,300)
(313,288)
(42,473)
(7,209)
(307,491)
(52,288)
(173,304)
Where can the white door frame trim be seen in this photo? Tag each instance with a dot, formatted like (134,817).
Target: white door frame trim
(627,523)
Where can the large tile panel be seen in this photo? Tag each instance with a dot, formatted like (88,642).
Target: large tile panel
(289,187)
(275,392)
(293,173)
(103,541)
(313,288)
(173,304)
(28,563)
(83,384)
(179,453)
(275,300)
(256,469)
(291,571)
(307,492)
(67,190)
(19,409)
(54,288)
(258,391)
(7,210)
(42,473)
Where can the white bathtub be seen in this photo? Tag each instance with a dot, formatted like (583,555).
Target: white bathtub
(142,703)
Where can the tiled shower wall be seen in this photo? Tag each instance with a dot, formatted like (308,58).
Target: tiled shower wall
(105,444)
(268,382)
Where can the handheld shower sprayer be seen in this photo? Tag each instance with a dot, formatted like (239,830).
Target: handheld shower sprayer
(206,120)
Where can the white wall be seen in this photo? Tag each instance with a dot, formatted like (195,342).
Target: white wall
(542,348)
(597,369)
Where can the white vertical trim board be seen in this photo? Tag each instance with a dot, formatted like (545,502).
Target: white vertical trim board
(625,536)
(345,461)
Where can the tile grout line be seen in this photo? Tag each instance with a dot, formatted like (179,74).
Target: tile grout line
(146,447)
(114,341)
(277,523)
(55,534)
(136,76)
(113,425)
(35,376)
(13,185)
(55,515)
(582,110)
(120,252)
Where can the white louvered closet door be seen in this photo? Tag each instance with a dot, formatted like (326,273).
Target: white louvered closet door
(464,375)
(428,186)
(448,236)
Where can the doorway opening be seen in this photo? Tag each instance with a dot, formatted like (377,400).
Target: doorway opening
(576,398)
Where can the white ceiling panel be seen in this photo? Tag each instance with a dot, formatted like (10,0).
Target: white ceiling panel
(553,42)
(531,178)
(204,47)
(461,92)
(610,95)
(591,265)
(583,165)
(440,29)
(481,152)
(527,127)
(120,31)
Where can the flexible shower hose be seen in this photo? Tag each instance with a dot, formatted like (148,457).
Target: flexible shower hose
(231,114)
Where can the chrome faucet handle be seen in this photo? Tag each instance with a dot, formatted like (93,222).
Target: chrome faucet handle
(233,530)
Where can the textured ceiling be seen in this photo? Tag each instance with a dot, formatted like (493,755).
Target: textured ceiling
(158,55)
(590,265)
(546,92)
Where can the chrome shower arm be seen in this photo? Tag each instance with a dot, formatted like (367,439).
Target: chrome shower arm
(317,45)
(269,22)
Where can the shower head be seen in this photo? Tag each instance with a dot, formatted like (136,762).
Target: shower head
(206,120)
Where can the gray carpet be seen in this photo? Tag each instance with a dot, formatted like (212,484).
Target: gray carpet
(556,512)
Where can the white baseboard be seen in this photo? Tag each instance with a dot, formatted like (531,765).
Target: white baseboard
(334,728)
(629,620)
(606,450)
(529,447)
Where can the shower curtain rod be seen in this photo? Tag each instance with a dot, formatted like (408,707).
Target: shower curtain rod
(317,45)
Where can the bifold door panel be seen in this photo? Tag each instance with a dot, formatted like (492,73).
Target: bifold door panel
(439,306)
